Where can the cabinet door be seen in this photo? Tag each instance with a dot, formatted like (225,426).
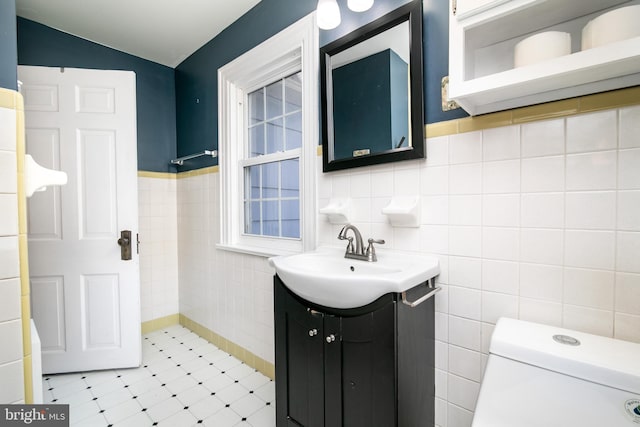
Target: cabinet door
(299,362)
(367,384)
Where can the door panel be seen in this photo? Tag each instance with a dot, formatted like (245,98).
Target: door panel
(44,147)
(83,122)
(101,311)
(97,187)
(48,294)
(95,100)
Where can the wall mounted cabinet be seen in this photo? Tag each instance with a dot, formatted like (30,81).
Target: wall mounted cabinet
(482,39)
(367,367)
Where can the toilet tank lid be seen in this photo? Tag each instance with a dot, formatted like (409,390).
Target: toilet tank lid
(610,362)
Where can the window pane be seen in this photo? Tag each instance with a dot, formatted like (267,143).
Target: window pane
(256,140)
(293,93)
(290,178)
(252,217)
(290,218)
(254,182)
(270,180)
(293,131)
(275,141)
(271,220)
(274,99)
(256,106)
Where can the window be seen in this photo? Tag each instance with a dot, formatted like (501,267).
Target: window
(271,171)
(268,136)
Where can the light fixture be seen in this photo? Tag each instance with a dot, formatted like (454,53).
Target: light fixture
(328,14)
(359,5)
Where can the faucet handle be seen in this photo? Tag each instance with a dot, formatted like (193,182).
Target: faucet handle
(371,250)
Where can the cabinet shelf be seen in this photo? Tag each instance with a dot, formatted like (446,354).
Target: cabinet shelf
(483,78)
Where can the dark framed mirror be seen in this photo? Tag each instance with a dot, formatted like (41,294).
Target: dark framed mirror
(371,92)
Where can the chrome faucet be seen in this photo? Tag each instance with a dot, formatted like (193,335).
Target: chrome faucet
(358,251)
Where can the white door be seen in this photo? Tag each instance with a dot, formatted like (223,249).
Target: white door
(85,299)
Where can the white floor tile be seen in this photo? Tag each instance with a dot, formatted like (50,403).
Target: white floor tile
(165,409)
(239,372)
(138,420)
(194,364)
(254,381)
(227,363)
(170,375)
(122,411)
(79,398)
(223,418)
(267,392)
(68,389)
(95,421)
(265,417)
(144,386)
(218,382)
(130,376)
(247,405)
(181,384)
(107,387)
(153,397)
(182,418)
(231,393)
(114,398)
(160,365)
(80,412)
(59,380)
(206,407)
(205,373)
(193,395)
(184,381)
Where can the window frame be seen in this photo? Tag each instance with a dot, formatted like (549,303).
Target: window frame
(297,46)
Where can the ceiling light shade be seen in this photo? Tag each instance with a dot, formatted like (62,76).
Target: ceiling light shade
(360,5)
(328,14)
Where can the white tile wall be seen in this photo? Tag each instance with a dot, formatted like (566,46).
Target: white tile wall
(11,350)
(229,293)
(157,198)
(537,221)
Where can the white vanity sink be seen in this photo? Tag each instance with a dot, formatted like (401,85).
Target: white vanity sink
(325,277)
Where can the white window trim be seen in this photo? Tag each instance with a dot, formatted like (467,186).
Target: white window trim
(273,58)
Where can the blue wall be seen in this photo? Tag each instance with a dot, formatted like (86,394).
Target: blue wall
(8,48)
(155,84)
(196,77)
(178,111)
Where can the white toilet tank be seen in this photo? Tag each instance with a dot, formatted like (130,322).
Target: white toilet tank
(543,376)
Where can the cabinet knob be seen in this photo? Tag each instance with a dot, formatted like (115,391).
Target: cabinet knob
(331,338)
(313,332)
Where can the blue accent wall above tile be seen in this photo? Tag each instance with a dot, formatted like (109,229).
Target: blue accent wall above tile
(8,46)
(155,85)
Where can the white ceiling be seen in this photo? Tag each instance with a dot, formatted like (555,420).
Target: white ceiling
(163,31)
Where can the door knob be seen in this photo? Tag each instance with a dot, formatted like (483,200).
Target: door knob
(331,338)
(125,245)
(313,332)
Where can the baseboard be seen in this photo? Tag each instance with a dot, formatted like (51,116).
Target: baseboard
(230,347)
(159,323)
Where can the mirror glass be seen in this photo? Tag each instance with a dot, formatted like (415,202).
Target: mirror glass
(372,107)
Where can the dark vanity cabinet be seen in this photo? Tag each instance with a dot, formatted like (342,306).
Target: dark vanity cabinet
(363,367)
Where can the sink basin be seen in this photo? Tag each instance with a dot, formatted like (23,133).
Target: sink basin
(325,277)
